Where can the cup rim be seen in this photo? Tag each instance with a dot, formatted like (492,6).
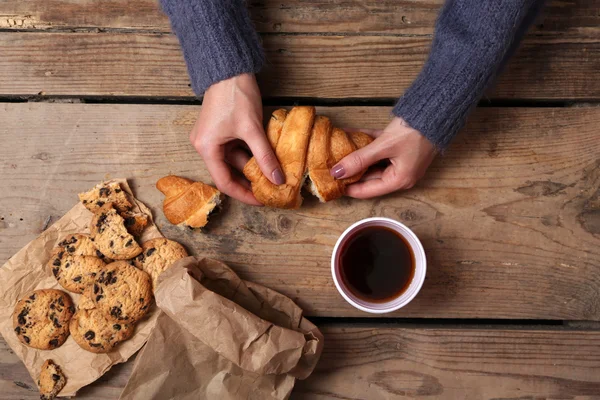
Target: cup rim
(420,268)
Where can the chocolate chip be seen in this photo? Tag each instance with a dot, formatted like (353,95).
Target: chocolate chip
(99,297)
(85,202)
(129,242)
(116,312)
(104,192)
(149,252)
(101,220)
(55,377)
(111,244)
(55,272)
(77,279)
(53,342)
(56,262)
(60,301)
(18,329)
(89,335)
(95,344)
(21,317)
(32,297)
(99,203)
(96,289)
(99,254)
(56,323)
(67,265)
(146,306)
(26,339)
(115,327)
(141,299)
(70,249)
(61,254)
(129,221)
(72,309)
(52,306)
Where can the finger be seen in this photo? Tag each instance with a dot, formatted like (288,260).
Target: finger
(265,156)
(372,174)
(389,182)
(237,158)
(370,188)
(357,161)
(227,183)
(375,133)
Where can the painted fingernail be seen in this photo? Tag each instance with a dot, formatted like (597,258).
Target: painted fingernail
(337,171)
(278,177)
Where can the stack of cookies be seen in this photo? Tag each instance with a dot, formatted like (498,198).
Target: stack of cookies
(114,274)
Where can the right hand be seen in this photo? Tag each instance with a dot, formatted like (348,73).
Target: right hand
(230,121)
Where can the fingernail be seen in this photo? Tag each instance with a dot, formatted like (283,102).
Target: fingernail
(278,177)
(337,171)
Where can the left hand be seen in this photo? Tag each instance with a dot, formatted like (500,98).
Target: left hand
(409,154)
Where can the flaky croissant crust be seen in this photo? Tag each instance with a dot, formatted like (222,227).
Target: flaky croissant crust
(307,146)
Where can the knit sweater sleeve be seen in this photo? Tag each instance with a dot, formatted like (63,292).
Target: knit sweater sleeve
(472,40)
(217,37)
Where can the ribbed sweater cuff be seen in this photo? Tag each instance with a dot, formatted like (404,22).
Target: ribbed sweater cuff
(217,37)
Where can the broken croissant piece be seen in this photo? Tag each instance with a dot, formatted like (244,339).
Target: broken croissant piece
(188,203)
(307,146)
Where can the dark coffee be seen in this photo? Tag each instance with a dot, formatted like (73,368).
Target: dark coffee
(376,264)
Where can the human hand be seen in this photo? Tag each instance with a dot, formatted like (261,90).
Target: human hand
(230,121)
(409,154)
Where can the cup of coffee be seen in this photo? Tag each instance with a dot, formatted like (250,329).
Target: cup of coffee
(378,265)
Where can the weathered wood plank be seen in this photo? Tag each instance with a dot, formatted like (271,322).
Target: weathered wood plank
(299,66)
(384,363)
(416,17)
(510,217)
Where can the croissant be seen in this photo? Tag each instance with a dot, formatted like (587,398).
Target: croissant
(188,203)
(307,146)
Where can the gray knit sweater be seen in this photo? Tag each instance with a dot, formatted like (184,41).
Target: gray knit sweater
(472,41)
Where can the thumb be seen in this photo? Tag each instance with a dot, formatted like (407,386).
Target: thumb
(265,156)
(357,161)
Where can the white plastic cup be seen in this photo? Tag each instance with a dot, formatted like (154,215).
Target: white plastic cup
(414,286)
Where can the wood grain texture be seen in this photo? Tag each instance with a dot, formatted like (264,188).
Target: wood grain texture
(391,17)
(397,363)
(299,66)
(509,217)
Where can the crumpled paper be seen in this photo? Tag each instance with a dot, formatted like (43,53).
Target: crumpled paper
(26,271)
(220,337)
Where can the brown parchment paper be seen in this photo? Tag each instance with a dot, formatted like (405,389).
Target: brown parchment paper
(26,271)
(220,337)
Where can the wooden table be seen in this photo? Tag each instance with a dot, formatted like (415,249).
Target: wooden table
(509,217)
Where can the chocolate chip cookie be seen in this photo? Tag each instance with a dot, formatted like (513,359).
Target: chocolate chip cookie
(41,318)
(80,244)
(95,333)
(122,292)
(75,273)
(51,381)
(110,236)
(104,193)
(135,222)
(158,255)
